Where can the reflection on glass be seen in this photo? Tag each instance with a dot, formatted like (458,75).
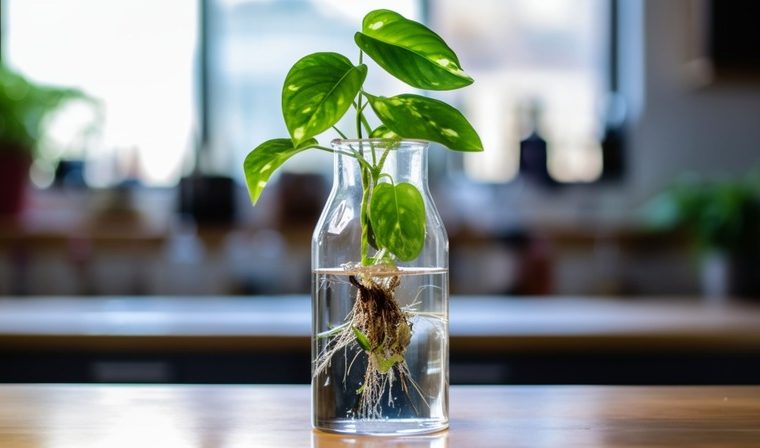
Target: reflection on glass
(327,440)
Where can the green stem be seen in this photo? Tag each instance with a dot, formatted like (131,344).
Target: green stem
(359,116)
(333,151)
(382,159)
(342,135)
(374,160)
(363,118)
(364,215)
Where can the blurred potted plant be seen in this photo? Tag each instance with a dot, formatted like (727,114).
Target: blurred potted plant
(722,218)
(24,108)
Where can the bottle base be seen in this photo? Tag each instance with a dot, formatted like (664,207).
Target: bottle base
(382,427)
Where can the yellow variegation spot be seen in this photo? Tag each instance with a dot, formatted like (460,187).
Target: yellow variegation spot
(380,107)
(459,72)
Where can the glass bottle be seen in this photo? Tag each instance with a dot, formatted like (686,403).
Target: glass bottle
(397,383)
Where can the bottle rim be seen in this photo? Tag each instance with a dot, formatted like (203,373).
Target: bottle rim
(381,142)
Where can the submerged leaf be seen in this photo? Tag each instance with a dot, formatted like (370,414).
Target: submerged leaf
(385,364)
(397,214)
(318,91)
(362,339)
(265,158)
(410,51)
(415,116)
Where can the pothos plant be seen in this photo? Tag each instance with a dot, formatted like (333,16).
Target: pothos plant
(318,91)
(322,87)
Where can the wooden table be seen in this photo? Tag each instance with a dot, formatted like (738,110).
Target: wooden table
(53,416)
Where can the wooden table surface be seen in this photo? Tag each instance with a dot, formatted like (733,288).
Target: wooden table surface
(82,416)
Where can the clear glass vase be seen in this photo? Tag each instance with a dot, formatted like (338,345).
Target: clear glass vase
(380,330)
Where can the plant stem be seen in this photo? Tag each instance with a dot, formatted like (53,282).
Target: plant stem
(368,179)
(371,175)
(332,151)
(364,121)
(342,135)
(382,158)
(359,116)
(374,163)
(364,214)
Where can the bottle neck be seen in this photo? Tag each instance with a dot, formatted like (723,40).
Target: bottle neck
(405,162)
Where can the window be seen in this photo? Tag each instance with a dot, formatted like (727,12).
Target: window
(141,59)
(136,56)
(253,44)
(522,53)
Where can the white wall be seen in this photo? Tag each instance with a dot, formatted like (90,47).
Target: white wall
(713,129)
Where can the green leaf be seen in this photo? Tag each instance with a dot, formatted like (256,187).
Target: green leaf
(414,116)
(362,339)
(410,51)
(382,131)
(318,91)
(397,214)
(267,157)
(384,365)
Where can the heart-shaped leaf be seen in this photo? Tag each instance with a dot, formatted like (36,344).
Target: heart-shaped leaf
(397,214)
(267,157)
(318,91)
(410,51)
(414,116)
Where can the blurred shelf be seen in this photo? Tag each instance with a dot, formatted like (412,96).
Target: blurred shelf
(500,340)
(274,323)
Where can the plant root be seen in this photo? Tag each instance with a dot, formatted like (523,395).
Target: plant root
(383,331)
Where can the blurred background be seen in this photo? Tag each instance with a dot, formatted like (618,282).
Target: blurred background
(621,164)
